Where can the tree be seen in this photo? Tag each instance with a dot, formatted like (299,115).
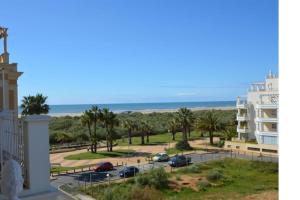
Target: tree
(63,137)
(91,118)
(185,119)
(210,123)
(148,129)
(34,105)
(229,132)
(109,120)
(173,127)
(129,125)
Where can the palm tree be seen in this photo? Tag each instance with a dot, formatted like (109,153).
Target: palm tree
(34,105)
(148,129)
(210,123)
(91,118)
(109,120)
(185,119)
(143,128)
(173,127)
(129,125)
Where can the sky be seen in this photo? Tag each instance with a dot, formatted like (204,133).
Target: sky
(116,51)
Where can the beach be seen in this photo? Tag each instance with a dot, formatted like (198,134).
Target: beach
(147,111)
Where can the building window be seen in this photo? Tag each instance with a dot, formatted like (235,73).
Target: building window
(274,113)
(274,126)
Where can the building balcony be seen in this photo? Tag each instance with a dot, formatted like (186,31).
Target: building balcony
(266,133)
(242,117)
(266,119)
(242,129)
(267,106)
(241,103)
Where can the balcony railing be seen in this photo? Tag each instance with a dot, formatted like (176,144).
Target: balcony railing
(266,119)
(241,103)
(255,87)
(242,129)
(242,117)
(267,132)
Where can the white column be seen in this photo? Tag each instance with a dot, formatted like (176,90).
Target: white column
(36,142)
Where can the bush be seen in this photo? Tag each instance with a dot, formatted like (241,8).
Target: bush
(142,180)
(146,193)
(196,168)
(221,143)
(183,145)
(113,192)
(214,175)
(203,185)
(178,178)
(157,178)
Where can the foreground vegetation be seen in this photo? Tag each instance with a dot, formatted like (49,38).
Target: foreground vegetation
(228,179)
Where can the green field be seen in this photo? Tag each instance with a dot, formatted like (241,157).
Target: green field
(164,138)
(172,151)
(57,169)
(100,154)
(228,179)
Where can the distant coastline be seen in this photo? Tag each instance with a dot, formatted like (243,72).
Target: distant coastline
(147,111)
(76,110)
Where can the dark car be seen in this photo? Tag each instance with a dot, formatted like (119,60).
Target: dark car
(129,171)
(104,166)
(179,160)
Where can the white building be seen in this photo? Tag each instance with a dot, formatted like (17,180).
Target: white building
(258,113)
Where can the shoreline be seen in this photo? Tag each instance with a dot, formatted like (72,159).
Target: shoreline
(147,111)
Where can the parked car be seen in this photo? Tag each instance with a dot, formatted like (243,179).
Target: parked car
(129,171)
(104,166)
(161,157)
(179,160)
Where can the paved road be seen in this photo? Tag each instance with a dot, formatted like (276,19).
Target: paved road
(80,179)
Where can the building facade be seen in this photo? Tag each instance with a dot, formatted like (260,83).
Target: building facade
(25,139)
(257,114)
(8,78)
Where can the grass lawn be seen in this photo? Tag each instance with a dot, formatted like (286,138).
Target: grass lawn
(227,179)
(176,151)
(57,169)
(158,139)
(100,154)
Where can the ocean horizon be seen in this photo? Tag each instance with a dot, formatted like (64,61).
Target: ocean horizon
(73,109)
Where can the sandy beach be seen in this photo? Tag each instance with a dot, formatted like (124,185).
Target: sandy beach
(147,111)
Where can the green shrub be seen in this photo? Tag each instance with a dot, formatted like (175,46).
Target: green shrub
(214,175)
(178,178)
(183,145)
(195,168)
(113,192)
(221,143)
(142,180)
(157,178)
(203,185)
(147,193)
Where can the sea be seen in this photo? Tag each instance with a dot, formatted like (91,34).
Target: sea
(77,109)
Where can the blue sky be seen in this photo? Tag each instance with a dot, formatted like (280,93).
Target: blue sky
(115,51)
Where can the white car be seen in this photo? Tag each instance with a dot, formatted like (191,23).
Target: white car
(161,157)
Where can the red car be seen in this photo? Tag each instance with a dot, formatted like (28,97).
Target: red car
(104,166)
